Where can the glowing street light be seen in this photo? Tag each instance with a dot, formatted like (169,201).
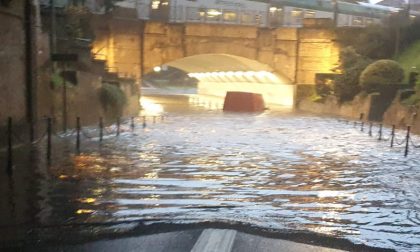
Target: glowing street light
(157,69)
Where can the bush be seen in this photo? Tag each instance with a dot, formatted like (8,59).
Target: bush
(56,80)
(381,72)
(351,66)
(412,100)
(112,98)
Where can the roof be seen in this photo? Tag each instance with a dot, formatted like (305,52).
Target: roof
(342,7)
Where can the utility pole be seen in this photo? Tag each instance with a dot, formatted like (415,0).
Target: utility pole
(30,105)
(53,38)
(335,5)
(403,18)
(397,36)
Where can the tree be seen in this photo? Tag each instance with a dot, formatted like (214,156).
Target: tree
(375,41)
(411,33)
(351,66)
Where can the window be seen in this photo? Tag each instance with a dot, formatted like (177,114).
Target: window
(192,14)
(297,13)
(155,4)
(230,16)
(276,16)
(309,14)
(357,21)
(247,18)
(213,14)
(297,16)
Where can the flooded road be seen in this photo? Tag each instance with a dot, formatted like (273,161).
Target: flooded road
(276,170)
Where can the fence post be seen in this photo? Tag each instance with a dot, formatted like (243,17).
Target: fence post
(407,141)
(370,129)
(162,118)
(49,132)
(380,132)
(118,126)
(361,116)
(132,124)
(362,126)
(392,136)
(78,135)
(154,119)
(144,122)
(9,168)
(101,129)
(354,124)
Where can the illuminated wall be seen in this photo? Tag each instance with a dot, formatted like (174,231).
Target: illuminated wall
(117,42)
(272,93)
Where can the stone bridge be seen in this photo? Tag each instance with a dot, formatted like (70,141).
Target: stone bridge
(132,47)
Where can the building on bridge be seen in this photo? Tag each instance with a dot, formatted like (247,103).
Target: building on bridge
(261,13)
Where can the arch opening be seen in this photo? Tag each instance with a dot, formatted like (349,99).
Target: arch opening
(216,74)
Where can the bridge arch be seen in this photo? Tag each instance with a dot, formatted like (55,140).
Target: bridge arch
(220,73)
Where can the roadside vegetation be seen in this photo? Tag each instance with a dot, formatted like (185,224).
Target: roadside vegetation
(113,99)
(374,60)
(410,58)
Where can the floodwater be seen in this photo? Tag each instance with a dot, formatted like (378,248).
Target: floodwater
(277,170)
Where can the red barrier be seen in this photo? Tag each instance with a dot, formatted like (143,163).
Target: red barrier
(243,102)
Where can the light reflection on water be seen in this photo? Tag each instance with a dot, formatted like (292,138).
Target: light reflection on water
(277,170)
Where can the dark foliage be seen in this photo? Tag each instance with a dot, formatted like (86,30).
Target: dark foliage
(380,73)
(351,66)
(113,99)
(375,42)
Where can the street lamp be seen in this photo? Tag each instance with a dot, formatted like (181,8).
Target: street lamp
(157,69)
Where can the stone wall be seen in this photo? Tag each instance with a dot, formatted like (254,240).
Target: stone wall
(353,109)
(318,53)
(402,115)
(162,43)
(121,50)
(285,52)
(83,101)
(12,63)
(396,114)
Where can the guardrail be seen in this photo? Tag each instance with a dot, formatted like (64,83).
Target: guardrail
(393,139)
(116,129)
